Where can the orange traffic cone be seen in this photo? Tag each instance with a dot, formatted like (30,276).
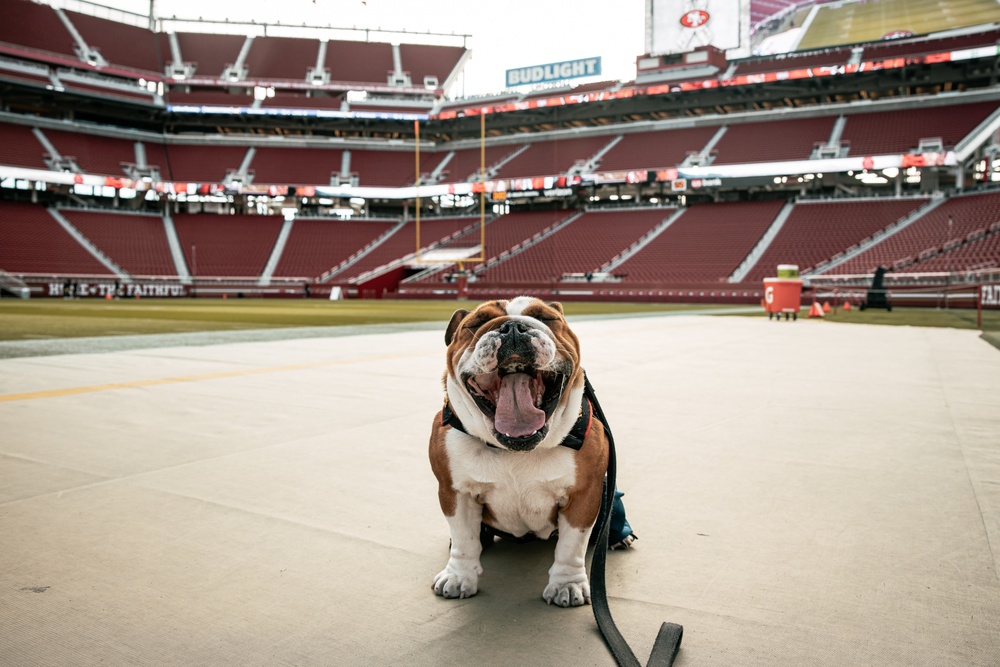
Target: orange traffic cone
(826,306)
(847,305)
(816,310)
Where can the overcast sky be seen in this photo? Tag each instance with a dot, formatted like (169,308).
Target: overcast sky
(515,33)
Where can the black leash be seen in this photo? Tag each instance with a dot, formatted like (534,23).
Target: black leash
(668,641)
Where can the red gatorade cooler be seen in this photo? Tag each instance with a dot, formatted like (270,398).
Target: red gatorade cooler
(783,295)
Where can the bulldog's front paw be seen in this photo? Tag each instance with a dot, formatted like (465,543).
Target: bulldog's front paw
(568,591)
(457,580)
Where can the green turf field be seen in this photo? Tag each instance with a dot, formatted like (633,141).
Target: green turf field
(54,318)
(955,318)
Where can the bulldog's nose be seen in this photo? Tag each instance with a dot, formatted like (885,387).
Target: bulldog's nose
(513,326)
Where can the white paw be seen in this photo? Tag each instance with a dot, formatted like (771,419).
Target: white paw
(568,591)
(457,581)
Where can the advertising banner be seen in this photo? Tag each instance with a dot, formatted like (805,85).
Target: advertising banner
(569,69)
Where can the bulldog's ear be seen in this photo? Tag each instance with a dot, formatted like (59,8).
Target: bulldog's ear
(557,306)
(456,319)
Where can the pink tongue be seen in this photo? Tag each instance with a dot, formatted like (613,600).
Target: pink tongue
(516,413)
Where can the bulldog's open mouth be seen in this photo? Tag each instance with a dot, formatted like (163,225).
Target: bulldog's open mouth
(519,399)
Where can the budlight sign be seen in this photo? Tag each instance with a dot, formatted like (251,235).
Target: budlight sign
(569,69)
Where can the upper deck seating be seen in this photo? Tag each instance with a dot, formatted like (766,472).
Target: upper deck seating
(35,26)
(423,60)
(277,58)
(20,148)
(119,43)
(362,62)
(655,150)
(295,166)
(203,164)
(755,142)
(552,158)
(900,131)
(390,168)
(94,154)
(466,162)
(210,54)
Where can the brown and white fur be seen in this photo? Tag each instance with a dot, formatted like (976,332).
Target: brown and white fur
(501,355)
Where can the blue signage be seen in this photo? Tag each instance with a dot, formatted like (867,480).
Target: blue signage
(570,69)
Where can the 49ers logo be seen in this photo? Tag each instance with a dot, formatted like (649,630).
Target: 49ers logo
(694,18)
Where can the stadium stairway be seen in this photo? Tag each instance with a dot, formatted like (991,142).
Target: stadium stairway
(87,245)
(175,249)
(353,259)
(762,245)
(877,238)
(514,252)
(14,285)
(279,248)
(642,242)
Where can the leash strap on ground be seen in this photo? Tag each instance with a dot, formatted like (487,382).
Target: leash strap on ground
(668,641)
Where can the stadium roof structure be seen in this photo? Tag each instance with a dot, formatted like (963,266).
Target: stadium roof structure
(71,85)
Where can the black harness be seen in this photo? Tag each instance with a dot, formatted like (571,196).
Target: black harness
(668,640)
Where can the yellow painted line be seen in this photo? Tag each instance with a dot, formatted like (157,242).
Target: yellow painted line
(72,391)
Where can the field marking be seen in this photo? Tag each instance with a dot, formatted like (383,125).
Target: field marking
(73,391)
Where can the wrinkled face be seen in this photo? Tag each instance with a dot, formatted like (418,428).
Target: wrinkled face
(513,360)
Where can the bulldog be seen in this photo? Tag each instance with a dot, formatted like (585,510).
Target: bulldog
(516,450)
